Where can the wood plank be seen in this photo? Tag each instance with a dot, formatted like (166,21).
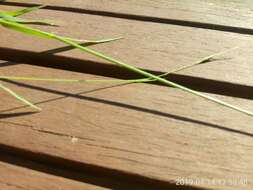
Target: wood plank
(163,134)
(14,177)
(40,168)
(127,129)
(230,13)
(21,172)
(169,46)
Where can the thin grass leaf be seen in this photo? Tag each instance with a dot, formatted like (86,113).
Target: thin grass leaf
(36,32)
(66,80)
(13,20)
(26,21)
(20,98)
(25,10)
(28,30)
(12,16)
(18,78)
(149,75)
(41,22)
(204,60)
(92,42)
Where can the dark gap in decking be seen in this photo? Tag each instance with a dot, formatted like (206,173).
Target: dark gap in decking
(109,70)
(83,172)
(10,115)
(142,18)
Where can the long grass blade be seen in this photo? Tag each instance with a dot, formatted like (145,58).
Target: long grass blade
(26,21)
(25,10)
(68,80)
(20,98)
(28,30)
(204,60)
(201,61)
(92,42)
(149,75)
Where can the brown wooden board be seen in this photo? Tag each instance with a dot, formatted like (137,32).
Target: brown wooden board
(15,177)
(226,14)
(142,130)
(21,172)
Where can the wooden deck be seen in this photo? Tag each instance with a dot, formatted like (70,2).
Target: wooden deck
(137,136)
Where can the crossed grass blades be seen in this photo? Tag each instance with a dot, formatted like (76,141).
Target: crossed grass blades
(12,21)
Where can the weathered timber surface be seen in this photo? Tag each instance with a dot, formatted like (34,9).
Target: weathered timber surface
(230,13)
(137,131)
(18,178)
(20,172)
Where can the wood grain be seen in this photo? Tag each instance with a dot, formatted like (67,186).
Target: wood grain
(139,129)
(169,46)
(19,178)
(230,13)
(26,172)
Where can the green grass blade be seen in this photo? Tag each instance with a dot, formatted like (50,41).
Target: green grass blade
(31,31)
(149,75)
(20,98)
(25,29)
(92,42)
(42,22)
(25,10)
(204,60)
(25,21)
(12,16)
(67,80)
(107,81)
